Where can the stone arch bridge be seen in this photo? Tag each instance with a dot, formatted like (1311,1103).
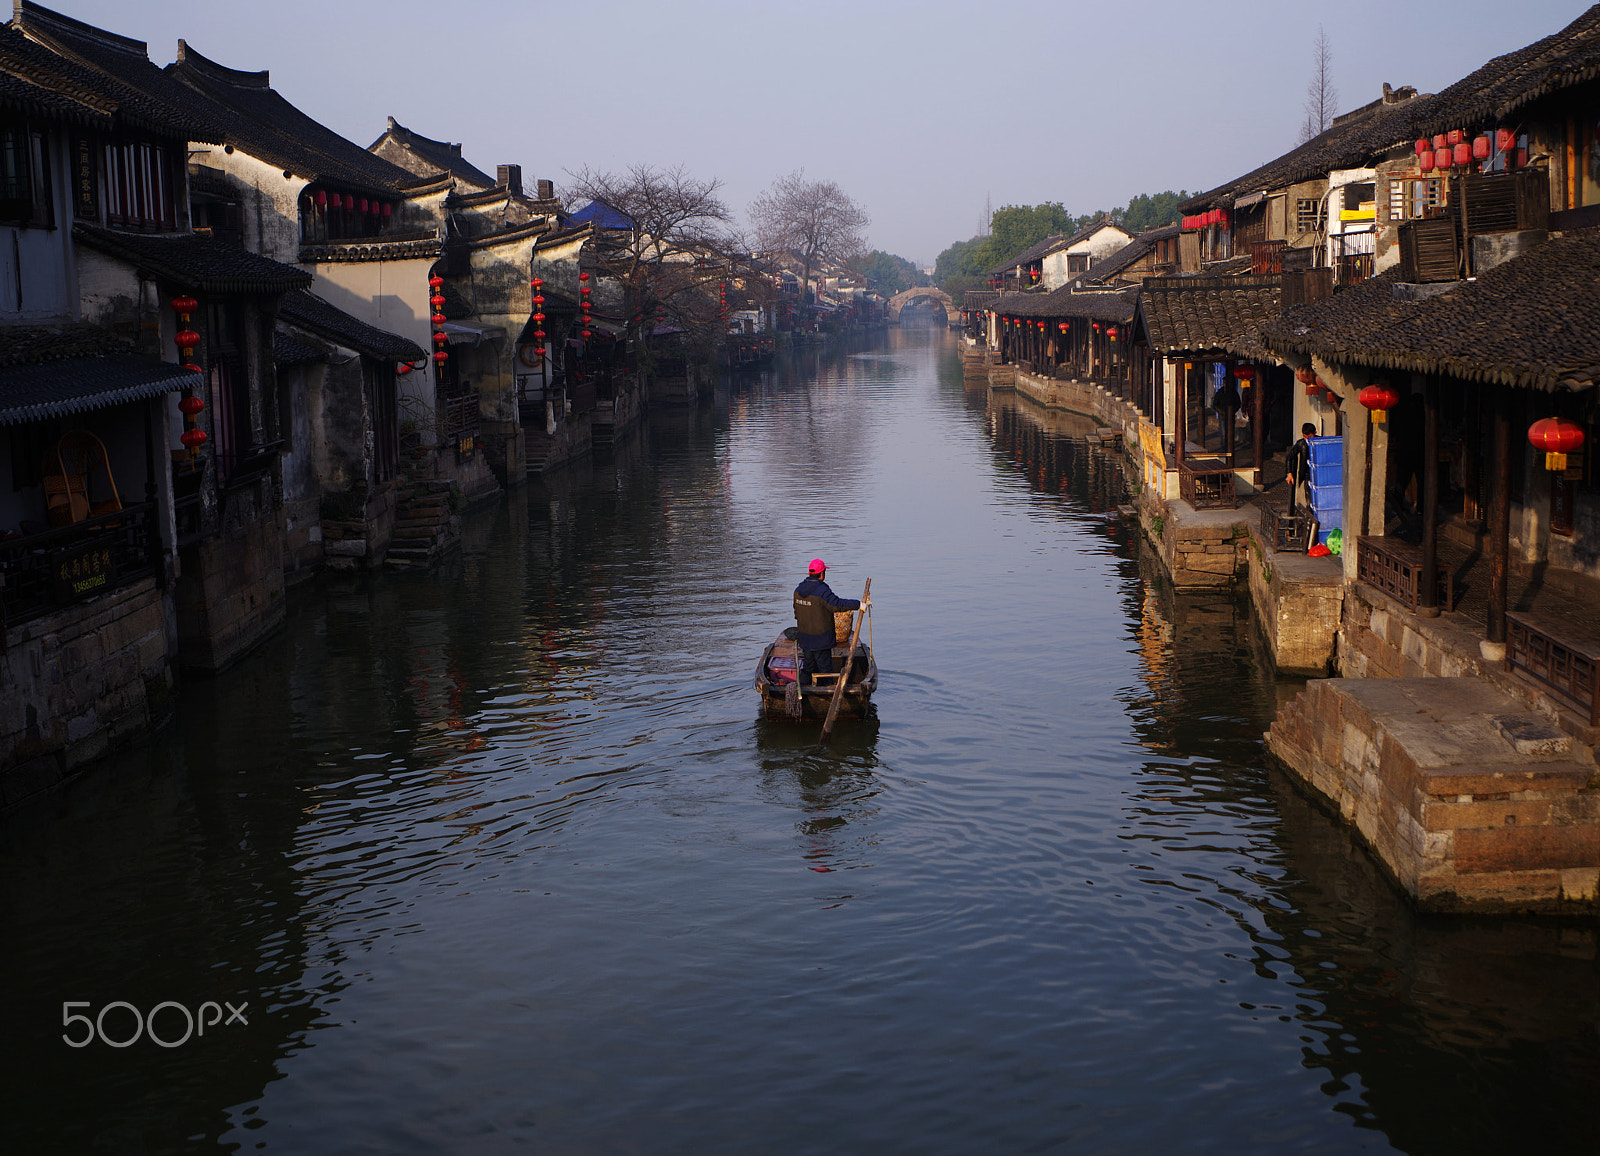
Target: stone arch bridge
(924,292)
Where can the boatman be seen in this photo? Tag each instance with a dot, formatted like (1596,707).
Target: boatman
(814,605)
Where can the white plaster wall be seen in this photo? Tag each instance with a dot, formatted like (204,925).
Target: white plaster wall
(393,295)
(268,201)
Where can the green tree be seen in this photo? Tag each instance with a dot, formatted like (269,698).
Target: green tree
(1150,210)
(887,273)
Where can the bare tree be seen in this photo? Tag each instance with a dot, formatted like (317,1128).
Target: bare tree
(1322,99)
(679,231)
(814,219)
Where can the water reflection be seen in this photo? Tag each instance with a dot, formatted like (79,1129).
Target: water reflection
(507,855)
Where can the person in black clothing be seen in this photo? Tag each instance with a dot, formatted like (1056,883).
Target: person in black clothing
(1299,464)
(814,605)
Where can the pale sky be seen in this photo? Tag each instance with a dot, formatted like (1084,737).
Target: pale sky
(920,111)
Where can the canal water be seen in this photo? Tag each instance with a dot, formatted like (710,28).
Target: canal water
(503,857)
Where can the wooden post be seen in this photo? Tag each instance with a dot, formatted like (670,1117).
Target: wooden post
(1180,423)
(1499,518)
(1258,422)
(1429,607)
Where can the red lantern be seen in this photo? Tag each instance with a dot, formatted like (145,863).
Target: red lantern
(587,335)
(537,283)
(1463,153)
(583,276)
(438,319)
(403,368)
(1453,137)
(184,305)
(538,318)
(362,204)
(441,357)
(321,198)
(538,299)
(1557,437)
(387,210)
(435,282)
(1505,140)
(1440,141)
(1063,327)
(1245,372)
(1422,146)
(193,438)
(1426,164)
(441,338)
(1480,147)
(190,406)
(1112,333)
(1379,398)
(1443,158)
(538,334)
(437,300)
(349,201)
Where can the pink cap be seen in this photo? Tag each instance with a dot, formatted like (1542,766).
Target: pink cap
(817,566)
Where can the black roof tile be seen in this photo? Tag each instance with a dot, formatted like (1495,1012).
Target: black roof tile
(1532,322)
(77,385)
(1198,314)
(259,121)
(195,261)
(307,311)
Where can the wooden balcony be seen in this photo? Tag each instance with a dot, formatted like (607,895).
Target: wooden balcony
(1206,483)
(1395,568)
(1554,658)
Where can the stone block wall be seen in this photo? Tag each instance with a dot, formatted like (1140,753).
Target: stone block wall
(230,593)
(1378,640)
(1468,803)
(1300,613)
(80,683)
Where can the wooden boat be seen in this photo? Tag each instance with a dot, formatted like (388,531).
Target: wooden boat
(777,670)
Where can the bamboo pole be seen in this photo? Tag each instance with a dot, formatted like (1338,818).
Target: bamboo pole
(844,675)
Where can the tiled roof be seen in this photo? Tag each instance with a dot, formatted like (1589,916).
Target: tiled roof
(117,70)
(307,311)
(1130,253)
(1196,314)
(1054,244)
(76,385)
(975,299)
(35,91)
(1532,322)
(398,248)
(1349,142)
(1507,83)
(259,121)
(440,155)
(195,261)
(1099,305)
(287,351)
(1490,94)
(35,344)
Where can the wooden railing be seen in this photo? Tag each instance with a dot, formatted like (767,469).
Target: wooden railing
(1206,483)
(458,422)
(1553,658)
(1395,567)
(41,573)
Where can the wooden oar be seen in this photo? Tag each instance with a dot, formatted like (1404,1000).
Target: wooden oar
(844,677)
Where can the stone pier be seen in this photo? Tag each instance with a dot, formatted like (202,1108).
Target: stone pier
(1469,801)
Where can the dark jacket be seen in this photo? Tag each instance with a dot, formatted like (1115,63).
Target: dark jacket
(1298,465)
(814,605)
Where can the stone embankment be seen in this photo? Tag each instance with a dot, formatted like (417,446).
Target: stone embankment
(1474,791)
